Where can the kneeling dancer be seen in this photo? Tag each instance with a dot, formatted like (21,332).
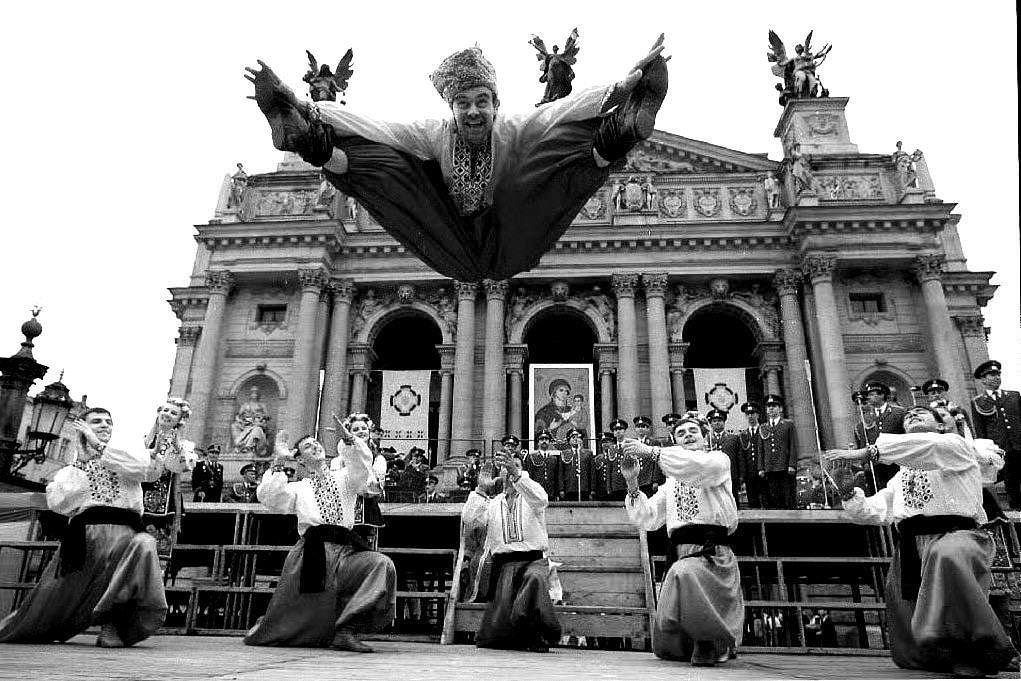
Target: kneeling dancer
(937,589)
(331,585)
(519,614)
(107,570)
(700,612)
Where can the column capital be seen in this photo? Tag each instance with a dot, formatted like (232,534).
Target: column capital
(929,267)
(819,267)
(219,281)
(466,290)
(677,352)
(496,290)
(787,281)
(972,326)
(189,335)
(770,353)
(624,283)
(344,290)
(655,284)
(514,356)
(607,371)
(312,279)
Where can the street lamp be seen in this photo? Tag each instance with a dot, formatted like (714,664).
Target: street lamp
(49,411)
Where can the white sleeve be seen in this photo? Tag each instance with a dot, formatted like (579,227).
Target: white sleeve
(926,451)
(182,462)
(276,493)
(357,463)
(68,490)
(133,466)
(990,461)
(874,510)
(475,511)
(418,138)
(578,106)
(531,492)
(648,514)
(704,469)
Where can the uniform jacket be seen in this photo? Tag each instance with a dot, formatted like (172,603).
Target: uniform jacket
(778,451)
(581,463)
(729,444)
(998,420)
(207,477)
(891,421)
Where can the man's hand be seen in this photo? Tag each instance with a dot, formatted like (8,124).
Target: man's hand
(201,496)
(630,467)
(638,70)
(87,433)
(271,94)
(345,435)
(286,115)
(505,459)
(845,454)
(634,448)
(762,474)
(790,470)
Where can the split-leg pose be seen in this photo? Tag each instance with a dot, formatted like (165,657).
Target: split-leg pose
(937,589)
(107,570)
(332,586)
(700,614)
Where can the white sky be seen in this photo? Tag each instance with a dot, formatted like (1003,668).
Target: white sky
(121,120)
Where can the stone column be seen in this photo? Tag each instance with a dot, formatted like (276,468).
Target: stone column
(799,400)
(299,409)
(514,364)
(494,386)
(606,388)
(359,358)
(359,389)
(186,341)
(335,379)
(204,378)
(677,352)
(659,356)
(818,370)
(446,401)
(929,270)
(464,369)
(973,334)
(819,269)
(627,345)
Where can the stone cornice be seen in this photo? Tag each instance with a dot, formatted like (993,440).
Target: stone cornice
(970,283)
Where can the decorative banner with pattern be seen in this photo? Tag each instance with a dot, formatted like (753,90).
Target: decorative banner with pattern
(404,409)
(722,389)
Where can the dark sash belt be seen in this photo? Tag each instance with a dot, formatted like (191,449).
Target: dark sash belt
(499,559)
(910,559)
(313,560)
(709,536)
(72,547)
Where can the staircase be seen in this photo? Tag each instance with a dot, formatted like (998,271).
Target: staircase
(606,576)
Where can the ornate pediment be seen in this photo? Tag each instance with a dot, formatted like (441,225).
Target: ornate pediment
(667,153)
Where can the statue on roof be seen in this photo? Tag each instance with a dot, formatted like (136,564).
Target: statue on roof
(800,80)
(323,84)
(556,66)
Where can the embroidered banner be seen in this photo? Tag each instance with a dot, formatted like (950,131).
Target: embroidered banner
(404,409)
(722,389)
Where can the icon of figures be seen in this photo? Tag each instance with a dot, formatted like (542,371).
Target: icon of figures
(556,67)
(238,183)
(801,170)
(907,170)
(249,428)
(558,416)
(772,188)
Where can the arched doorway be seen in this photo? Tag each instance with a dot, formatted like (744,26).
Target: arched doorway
(406,340)
(560,335)
(719,336)
(900,391)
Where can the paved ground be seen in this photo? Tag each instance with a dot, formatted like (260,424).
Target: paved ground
(209,657)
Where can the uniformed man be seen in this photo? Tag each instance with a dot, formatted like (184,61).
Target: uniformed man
(880,417)
(649,476)
(543,464)
(996,414)
(468,474)
(669,420)
(935,391)
(207,476)
(719,439)
(779,456)
(576,469)
(610,484)
(751,454)
(244,491)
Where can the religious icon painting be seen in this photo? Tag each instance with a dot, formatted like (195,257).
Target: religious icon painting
(561,398)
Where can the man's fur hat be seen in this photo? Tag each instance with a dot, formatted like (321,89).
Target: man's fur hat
(462,71)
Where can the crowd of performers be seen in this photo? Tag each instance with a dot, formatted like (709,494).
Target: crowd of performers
(335,587)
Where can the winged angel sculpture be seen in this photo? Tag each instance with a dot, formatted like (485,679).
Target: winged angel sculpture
(556,66)
(323,85)
(798,72)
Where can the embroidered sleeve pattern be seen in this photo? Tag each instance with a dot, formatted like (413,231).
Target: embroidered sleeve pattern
(327,496)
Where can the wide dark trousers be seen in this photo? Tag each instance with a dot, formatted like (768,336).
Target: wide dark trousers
(534,202)
(519,614)
(119,583)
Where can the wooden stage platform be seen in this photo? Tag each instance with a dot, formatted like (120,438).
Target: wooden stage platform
(212,657)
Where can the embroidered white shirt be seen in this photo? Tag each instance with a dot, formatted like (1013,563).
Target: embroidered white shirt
(113,479)
(324,499)
(517,524)
(939,475)
(697,491)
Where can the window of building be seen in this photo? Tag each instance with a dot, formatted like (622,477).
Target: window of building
(271,314)
(868,303)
